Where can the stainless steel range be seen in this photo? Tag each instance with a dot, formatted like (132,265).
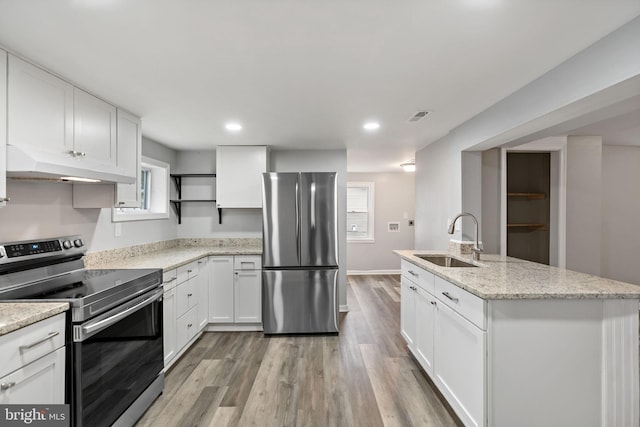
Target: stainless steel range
(114,351)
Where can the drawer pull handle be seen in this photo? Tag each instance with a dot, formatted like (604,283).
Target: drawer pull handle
(446,294)
(433,303)
(7,386)
(189,295)
(189,271)
(413,273)
(40,341)
(189,325)
(173,279)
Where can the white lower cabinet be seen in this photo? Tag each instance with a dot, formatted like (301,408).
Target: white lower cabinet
(408,311)
(186,327)
(39,382)
(425,309)
(221,289)
(32,363)
(235,290)
(180,310)
(449,347)
(459,360)
(202,289)
(169,325)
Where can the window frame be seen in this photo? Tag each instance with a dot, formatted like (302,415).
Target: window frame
(370,237)
(159,174)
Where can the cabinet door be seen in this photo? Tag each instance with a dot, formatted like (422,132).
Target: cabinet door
(40,109)
(425,318)
(3,127)
(40,382)
(169,325)
(248,297)
(202,283)
(459,364)
(186,296)
(221,283)
(407,312)
(129,156)
(239,176)
(94,129)
(186,328)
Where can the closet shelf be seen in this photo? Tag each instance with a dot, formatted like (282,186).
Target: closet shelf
(531,196)
(533,226)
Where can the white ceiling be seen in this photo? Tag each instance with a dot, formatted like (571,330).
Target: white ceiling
(619,130)
(303,73)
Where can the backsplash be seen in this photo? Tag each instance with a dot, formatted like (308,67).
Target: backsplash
(92,259)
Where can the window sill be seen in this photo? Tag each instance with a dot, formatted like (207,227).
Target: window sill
(142,216)
(361,241)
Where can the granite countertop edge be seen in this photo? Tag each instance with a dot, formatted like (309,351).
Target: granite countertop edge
(504,278)
(17,315)
(171,258)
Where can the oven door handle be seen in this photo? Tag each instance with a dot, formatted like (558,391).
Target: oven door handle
(95,327)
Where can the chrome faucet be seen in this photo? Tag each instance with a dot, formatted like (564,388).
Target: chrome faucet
(477,247)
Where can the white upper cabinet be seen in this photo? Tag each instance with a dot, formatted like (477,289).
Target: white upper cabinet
(129,158)
(36,96)
(94,129)
(55,129)
(3,127)
(239,172)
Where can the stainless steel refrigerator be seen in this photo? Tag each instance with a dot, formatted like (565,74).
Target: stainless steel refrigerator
(299,253)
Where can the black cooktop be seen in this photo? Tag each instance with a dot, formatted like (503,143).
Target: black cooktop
(89,292)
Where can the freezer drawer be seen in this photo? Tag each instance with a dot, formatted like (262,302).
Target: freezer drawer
(299,301)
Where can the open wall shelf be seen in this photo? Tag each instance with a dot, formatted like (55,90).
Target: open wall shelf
(177,203)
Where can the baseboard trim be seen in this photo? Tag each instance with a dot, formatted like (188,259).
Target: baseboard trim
(344,308)
(371,272)
(231,327)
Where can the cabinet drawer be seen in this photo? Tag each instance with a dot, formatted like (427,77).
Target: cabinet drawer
(464,303)
(418,275)
(169,279)
(30,343)
(247,262)
(187,271)
(186,328)
(186,297)
(40,382)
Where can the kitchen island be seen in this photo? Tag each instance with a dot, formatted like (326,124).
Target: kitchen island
(510,342)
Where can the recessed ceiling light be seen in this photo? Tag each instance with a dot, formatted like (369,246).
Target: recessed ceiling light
(371,126)
(233,127)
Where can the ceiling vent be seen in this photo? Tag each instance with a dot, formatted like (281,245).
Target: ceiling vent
(419,115)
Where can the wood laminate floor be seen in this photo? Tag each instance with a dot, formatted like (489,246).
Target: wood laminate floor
(362,377)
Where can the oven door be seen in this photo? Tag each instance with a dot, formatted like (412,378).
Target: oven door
(116,356)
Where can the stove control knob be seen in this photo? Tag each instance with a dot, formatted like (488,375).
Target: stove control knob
(67,244)
(78,243)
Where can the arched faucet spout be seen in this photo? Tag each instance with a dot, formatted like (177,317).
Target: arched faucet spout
(477,247)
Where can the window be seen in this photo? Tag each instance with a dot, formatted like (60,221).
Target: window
(154,194)
(360,225)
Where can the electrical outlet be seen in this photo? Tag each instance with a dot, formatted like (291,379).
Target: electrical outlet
(411,223)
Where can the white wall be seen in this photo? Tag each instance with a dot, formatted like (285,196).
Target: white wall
(322,161)
(621,213)
(38,210)
(584,203)
(550,100)
(394,197)
(491,200)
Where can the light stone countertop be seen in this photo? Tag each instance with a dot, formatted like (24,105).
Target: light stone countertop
(499,277)
(16,315)
(171,258)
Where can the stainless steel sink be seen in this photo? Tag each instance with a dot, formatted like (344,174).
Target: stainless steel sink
(444,260)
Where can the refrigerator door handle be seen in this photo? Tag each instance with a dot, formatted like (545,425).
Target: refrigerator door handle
(298,243)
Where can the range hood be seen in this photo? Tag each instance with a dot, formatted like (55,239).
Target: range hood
(27,163)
